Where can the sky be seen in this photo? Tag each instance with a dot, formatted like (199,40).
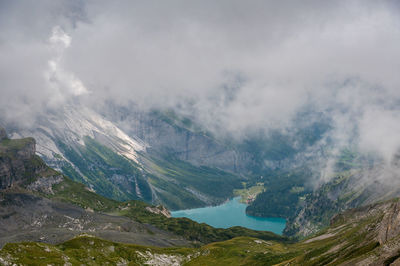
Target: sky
(232,65)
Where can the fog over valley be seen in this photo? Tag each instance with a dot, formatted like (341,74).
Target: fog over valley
(270,127)
(232,66)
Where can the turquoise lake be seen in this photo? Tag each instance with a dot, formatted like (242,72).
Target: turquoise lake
(232,213)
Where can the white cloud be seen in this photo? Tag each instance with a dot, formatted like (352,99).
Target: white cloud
(62,82)
(235,65)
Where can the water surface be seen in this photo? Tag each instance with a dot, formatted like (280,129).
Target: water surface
(232,213)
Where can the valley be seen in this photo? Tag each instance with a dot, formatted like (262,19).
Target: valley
(45,216)
(162,158)
(199,132)
(229,214)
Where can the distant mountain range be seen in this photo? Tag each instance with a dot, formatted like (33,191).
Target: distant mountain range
(161,157)
(46,218)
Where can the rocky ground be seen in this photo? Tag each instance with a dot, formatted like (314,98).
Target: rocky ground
(25,217)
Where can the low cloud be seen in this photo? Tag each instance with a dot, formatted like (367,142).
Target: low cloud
(233,66)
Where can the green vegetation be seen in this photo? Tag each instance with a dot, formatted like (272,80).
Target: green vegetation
(321,206)
(353,237)
(108,173)
(89,250)
(345,241)
(30,166)
(283,192)
(11,146)
(249,194)
(78,194)
(86,250)
(287,196)
(177,184)
(187,186)
(349,159)
(180,123)
(8,146)
(273,147)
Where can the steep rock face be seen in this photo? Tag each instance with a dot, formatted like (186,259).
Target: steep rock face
(91,149)
(367,235)
(169,134)
(38,217)
(387,225)
(390,225)
(3,134)
(15,159)
(189,146)
(348,190)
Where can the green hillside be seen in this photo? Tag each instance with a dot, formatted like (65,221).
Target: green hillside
(161,180)
(353,238)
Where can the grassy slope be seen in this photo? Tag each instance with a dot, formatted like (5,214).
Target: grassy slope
(350,239)
(248,192)
(176,178)
(99,165)
(286,195)
(345,241)
(76,193)
(72,192)
(178,184)
(11,146)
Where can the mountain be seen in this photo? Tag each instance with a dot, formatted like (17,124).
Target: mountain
(161,157)
(94,151)
(362,236)
(348,189)
(38,203)
(46,218)
(29,209)
(169,133)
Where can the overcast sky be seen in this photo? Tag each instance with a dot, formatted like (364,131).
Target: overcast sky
(234,64)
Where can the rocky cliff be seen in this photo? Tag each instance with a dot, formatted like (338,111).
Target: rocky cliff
(168,133)
(16,160)
(136,164)
(349,189)
(3,134)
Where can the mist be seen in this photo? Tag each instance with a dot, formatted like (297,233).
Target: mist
(232,66)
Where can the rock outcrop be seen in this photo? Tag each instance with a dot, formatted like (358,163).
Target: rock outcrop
(159,210)
(17,162)
(45,184)
(169,135)
(333,197)
(3,134)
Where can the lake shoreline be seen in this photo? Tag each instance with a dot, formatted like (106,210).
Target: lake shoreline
(232,213)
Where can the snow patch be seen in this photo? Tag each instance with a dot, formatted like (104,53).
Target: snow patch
(72,124)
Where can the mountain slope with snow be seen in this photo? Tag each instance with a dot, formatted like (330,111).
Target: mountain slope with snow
(93,150)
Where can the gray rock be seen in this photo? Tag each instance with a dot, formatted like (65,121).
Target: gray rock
(190,145)
(16,161)
(45,184)
(25,217)
(3,134)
